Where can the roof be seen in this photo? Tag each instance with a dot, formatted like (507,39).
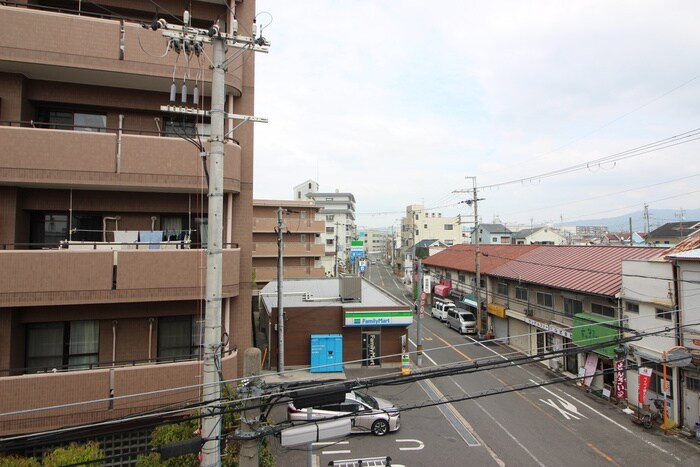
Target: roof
(324,293)
(428,242)
(676,229)
(495,228)
(589,269)
(685,248)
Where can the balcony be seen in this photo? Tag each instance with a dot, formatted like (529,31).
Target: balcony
(110,388)
(267,249)
(267,274)
(81,159)
(55,51)
(297,226)
(67,277)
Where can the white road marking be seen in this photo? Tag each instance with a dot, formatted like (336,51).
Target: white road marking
(420,443)
(330,453)
(329,443)
(425,354)
(610,420)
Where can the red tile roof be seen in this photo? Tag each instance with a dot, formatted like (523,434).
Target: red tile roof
(588,269)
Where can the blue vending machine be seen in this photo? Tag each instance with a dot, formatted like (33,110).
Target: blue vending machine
(326,353)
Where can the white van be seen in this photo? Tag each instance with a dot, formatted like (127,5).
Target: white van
(461,320)
(441,307)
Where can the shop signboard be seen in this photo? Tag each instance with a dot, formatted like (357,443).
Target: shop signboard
(644,380)
(378,318)
(620,380)
(589,329)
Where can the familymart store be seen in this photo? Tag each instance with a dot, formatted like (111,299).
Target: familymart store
(381,335)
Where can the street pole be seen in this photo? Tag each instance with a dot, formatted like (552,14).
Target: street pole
(419,327)
(189,38)
(211,390)
(280,279)
(477,253)
(250,417)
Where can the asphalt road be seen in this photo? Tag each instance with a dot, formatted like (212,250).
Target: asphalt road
(550,425)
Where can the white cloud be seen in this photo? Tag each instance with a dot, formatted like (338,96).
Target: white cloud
(398,101)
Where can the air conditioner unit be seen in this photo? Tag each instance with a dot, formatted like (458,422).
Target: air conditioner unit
(529,312)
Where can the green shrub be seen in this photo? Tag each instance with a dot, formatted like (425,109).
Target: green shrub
(18,461)
(74,454)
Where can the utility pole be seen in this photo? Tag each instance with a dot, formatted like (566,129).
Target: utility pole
(250,416)
(419,317)
(337,258)
(280,279)
(481,318)
(186,38)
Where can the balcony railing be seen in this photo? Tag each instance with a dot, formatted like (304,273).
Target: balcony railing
(89,396)
(69,276)
(122,50)
(267,274)
(291,249)
(127,161)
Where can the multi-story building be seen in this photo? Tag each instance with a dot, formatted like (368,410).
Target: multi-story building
(420,224)
(338,212)
(103,213)
(375,242)
(302,244)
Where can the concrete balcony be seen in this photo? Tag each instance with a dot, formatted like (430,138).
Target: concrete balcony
(269,224)
(109,388)
(267,274)
(55,51)
(66,277)
(81,159)
(267,249)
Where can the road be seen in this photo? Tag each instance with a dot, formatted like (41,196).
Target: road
(550,425)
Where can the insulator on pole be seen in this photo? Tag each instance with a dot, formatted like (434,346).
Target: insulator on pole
(184,93)
(195,94)
(173,92)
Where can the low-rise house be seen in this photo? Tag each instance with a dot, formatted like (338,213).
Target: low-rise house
(538,236)
(490,234)
(672,233)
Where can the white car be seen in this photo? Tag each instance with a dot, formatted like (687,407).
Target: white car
(369,414)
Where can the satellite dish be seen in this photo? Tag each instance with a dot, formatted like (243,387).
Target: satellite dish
(678,357)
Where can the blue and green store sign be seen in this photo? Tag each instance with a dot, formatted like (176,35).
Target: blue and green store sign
(379,318)
(589,329)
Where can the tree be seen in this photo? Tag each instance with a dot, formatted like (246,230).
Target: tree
(89,453)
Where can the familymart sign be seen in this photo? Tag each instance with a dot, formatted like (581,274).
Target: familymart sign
(378,318)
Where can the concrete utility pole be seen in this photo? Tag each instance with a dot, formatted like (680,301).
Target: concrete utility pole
(250,417)
(481,318)
(419,316)
(280,280)
(186,38)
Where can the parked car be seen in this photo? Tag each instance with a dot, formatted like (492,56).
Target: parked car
(461,320)
(440,308)
(369,414)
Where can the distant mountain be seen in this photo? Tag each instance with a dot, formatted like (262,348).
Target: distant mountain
(657,218)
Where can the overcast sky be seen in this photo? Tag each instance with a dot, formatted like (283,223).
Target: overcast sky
(398,102)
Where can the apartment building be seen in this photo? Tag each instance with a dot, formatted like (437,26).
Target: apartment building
(338,212)
(375,242)
(103,211)
(303,246)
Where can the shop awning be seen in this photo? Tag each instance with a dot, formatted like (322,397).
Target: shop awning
(442,290)
(496,310)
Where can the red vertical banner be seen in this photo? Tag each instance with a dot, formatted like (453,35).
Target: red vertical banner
(644,380)
(620,381)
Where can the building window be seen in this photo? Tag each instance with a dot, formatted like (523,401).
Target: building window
(70,120)
(571,307)
(449,242)
(330,230)
(186,127)
(521,293)
(545,299)
(494,239)
(298,194)
(178,338)
(502,289)
(692,384)
(329,241)
(302,238)
(425,226)
(330,217)
(62,345)
(449,227)
(631,307)
(664,314)
(603,310)
(461,277)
